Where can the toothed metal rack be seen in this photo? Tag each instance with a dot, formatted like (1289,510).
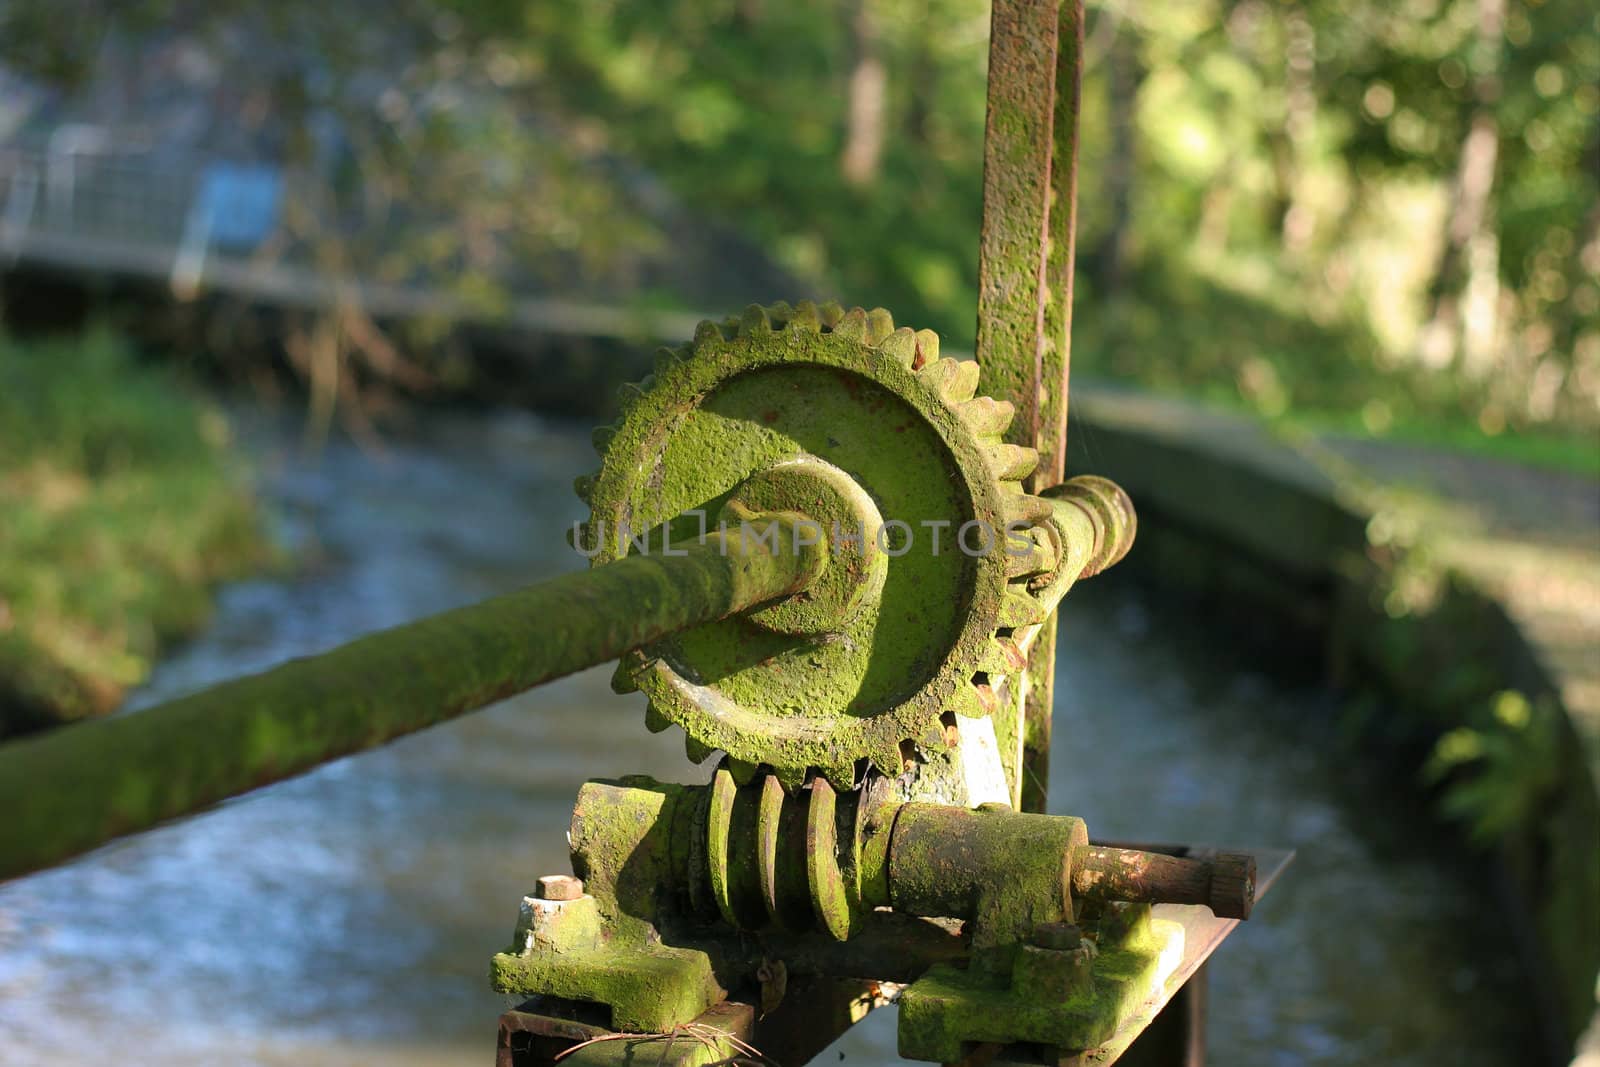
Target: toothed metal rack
(819,552)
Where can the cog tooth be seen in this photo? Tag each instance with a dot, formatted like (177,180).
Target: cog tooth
(706,332)
(880,324)
(743,771)
(830,314)
(602,436)
(963,382)
(754,321)
(791,778)
(900,346)
(956,380)
(666,359)
(1025,509)
(806,318)
(986,416)
(927,348)
(781,314)
(853,325)
(1019,609)
(578,536)
(583,485)
(696,751)
(842,776)
(623,681)
(1036,560)
(974,700)
(654,720)
(630,393)
(1012,462)
(1002,656)
(886,757)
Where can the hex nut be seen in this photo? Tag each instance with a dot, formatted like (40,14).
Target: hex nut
(1058,936)
(559,887)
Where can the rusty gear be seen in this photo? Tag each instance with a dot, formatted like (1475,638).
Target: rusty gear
(861,426)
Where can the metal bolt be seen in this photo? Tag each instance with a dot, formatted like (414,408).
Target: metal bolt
(1059,936)
(559,887)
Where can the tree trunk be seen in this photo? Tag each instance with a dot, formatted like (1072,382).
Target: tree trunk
(1468,268)
(1216,211)
(747,14)
(865,100)
(923,84)
(1300,112)
(1124,76)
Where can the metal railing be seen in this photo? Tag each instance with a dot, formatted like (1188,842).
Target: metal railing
(82,201)
(79,187)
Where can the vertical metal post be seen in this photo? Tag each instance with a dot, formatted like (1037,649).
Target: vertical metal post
(17,214)
(1025,268)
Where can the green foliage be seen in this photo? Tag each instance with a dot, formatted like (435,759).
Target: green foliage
(737,105)
(1500,772)
(1292,180)
(116,511)
(1280,207)
(1178,327)
(1500,761)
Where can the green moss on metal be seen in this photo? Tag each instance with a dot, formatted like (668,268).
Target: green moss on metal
(68,791)
(878,407)
(1006,871)
(650,989)
(628,845)
(949,1009)
(625,846)
(835,900)
(830,499)
(1025,276)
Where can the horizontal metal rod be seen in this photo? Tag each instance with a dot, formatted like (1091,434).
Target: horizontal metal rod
(66,792)
(1224,882)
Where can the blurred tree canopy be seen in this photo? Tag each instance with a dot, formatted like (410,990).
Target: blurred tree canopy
(1385,213)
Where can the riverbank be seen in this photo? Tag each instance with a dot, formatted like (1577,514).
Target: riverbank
(1455,593)
(122,505)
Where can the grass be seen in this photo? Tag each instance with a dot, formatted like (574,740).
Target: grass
(1181,330)
(119,508)
(1575,452)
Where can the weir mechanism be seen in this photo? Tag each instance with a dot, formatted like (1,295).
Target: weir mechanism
(864,819)
(823,556)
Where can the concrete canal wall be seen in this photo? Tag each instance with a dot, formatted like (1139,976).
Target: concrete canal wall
(1474,636)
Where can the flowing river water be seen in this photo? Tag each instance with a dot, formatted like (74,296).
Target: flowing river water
(348,916)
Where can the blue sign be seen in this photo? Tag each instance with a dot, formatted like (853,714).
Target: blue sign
(241,202)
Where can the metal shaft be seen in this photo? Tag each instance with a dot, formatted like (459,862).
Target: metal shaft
(1225,882)
(66,792)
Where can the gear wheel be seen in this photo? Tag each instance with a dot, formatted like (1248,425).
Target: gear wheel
(845,418)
